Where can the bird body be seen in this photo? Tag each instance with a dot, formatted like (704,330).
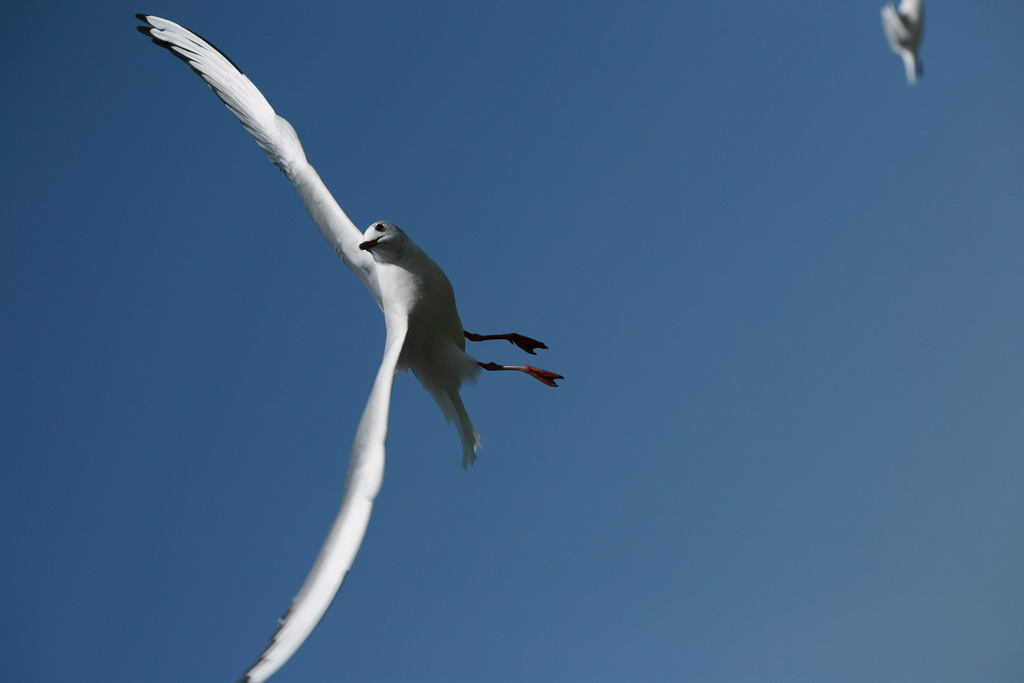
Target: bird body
(414,286)
(424,332)
(904,28)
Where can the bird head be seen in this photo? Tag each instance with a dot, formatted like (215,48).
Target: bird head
(384,241)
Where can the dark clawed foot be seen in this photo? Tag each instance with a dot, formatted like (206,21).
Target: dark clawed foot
(526,343)
(545,376)
(522,341)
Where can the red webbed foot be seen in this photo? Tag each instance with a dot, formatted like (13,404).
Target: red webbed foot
(545,376)
(539,374)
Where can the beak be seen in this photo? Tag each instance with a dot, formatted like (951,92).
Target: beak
(368,245)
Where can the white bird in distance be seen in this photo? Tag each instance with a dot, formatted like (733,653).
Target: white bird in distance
(424,332)
(904,28)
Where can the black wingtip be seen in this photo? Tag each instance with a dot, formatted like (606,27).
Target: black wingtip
(230,61)
(148,31)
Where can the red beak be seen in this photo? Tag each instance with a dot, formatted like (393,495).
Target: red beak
(370,244)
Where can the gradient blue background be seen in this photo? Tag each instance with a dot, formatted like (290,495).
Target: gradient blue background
(783,286)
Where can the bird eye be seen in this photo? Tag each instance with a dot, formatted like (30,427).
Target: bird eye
(380,227)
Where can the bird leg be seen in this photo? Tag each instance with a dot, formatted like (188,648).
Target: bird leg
(525,343)
(545,376)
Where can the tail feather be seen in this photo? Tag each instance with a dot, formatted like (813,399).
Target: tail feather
(467,432)
(450,403)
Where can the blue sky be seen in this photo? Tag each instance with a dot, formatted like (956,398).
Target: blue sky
(783,286)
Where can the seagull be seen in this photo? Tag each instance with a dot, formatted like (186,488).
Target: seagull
(903,28)
(424,332)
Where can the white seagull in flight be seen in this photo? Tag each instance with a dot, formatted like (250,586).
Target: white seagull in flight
(424,332)
(903,28)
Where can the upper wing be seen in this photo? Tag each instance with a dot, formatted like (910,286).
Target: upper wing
(912,10)
(894,29)
(273,133)
(365,472)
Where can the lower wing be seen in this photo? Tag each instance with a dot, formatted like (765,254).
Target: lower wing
(365,473)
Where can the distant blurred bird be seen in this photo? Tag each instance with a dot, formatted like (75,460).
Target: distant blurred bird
(904,28)
(424,332)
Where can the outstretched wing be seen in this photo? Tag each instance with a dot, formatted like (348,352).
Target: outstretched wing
(894,28)
(912,10)
(365,472)
(273,133)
